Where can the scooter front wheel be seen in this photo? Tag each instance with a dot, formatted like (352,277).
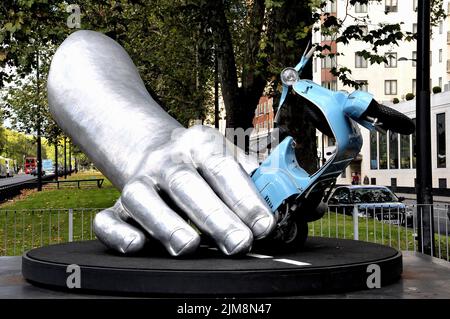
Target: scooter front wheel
(288,237)
(297,235)
(389,119)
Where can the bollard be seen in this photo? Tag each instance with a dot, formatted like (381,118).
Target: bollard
(355,223)
(70,225)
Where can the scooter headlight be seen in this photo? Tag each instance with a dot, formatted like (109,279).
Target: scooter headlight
(289,76)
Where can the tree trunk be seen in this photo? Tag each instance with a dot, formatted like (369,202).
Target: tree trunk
(288,20)
(283,48)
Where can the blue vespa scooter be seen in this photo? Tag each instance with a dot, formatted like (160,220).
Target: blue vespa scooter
(295,196)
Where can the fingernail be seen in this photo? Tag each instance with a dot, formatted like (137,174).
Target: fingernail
(238,241)
(135,244)
(263,226)
(183,241)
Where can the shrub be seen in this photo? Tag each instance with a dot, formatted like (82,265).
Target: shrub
(409,96)
(395,100)
(437,89)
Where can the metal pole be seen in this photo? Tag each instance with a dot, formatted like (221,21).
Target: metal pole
(70,158)
(38,128)
(56,159)
(70,225)
(355,223)
(65,157)
(323,149)
(423,131)
(216,91)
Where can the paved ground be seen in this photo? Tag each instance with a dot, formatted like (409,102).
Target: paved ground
(16,179)
(441,211)
(411,198)
(423,277)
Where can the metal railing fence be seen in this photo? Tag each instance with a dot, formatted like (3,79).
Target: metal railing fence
(21,230)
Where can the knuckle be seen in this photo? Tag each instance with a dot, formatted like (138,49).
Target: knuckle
(134,187)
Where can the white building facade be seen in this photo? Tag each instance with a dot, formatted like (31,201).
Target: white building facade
(389,159)
(385,81)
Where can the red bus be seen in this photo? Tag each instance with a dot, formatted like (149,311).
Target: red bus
(30,164)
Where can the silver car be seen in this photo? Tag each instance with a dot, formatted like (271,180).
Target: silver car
(372,201)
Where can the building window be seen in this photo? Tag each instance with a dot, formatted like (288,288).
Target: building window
(360,8)
(442,182)
(360,62)
(413,142)
(405,152)
(440,82)
(390,87)
(391,58)
(413,86)
(330,85)
(440,140)
(393,150)
(382,143)
(441,27)
(373,150)
(391,6)
(328,62)
(393,182)
(431,58)
(414,29)
(414,58)
(414,5)
(440,55)
(314,65)
(363,85)
(330,6)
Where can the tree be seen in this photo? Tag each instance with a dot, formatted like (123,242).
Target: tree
(174,43)
(27,35)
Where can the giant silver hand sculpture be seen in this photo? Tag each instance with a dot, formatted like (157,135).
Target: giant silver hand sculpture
(98,98)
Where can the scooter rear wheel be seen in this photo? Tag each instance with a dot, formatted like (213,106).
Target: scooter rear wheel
(298,235)
(390,119)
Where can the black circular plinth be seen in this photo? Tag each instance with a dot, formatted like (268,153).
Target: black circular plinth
(323,265)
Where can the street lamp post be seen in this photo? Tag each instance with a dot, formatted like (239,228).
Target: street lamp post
(423,132)
(65,157)
(424,185)
(38,128)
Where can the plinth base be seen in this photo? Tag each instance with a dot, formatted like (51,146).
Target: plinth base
(324,265)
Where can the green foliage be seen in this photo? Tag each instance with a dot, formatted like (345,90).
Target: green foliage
(437,89)
(172,42)
(395,100)
(17,145)
(409,96)
(174,45)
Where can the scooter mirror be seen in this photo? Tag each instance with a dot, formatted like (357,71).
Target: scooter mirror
(289,76)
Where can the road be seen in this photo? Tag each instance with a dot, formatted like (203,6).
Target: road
(16,179)
(441,219)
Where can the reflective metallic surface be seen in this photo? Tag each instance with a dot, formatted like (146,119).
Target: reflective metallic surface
(98,98)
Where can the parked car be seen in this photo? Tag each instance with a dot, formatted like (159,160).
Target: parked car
(34,172)
(373,202)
